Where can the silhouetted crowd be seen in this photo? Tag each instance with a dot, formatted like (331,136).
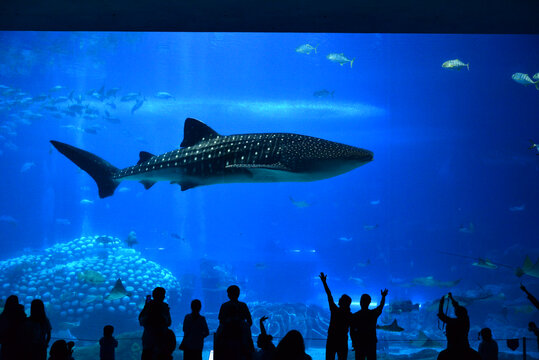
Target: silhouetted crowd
(27,338)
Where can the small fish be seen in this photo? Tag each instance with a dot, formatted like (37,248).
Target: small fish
(534,146)
(394,327)
(60,221)
(57,88)
(363,264)
(485,263)
(176,236)
(8,219)
(375,202)
(470,229)
(86,202)
(518,208)
(130,97)
(112,92)
(164,95)
(323,93)
(137,105)
(356,280)
(301,204)
(345,239)
(131,239)
(27,166)
(370,227)
(536,76)
(306,49)
(455,64)
(524,79)
(340,59)
(124,189)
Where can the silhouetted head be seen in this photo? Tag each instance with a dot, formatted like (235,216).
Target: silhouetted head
(345,301)
(159,293)
(11,305)
(365,301)
(233,292)
(461,312)
(486,334)
(108,330)
(37,310)
(291,346)
(59,350)
(196,305)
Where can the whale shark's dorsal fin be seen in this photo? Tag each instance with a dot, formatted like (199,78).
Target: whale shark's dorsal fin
(195,131)
(144,156)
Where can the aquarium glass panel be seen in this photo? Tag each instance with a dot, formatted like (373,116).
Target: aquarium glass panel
(196,161)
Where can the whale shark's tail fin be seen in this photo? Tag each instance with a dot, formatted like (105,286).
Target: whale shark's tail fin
(100,170)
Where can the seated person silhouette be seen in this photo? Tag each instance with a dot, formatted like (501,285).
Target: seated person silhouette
(457,330)
(265,342)
(291,347)
(337,341)
(363,327)
(233,337)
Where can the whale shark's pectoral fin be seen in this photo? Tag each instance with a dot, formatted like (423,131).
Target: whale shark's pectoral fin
(144,156)
(147,184)
(185,185)
(195,131)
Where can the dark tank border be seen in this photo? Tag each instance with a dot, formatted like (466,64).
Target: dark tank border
(322,16)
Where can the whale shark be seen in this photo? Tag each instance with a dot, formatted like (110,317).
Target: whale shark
(206,158)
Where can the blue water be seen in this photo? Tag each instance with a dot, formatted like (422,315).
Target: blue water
(450,149)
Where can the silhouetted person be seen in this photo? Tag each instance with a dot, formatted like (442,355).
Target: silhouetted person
(195,329)
(363,327)
(233,337)
(59,351)
(456,332)
(155,317)
(488,348)
(337,341)
(11,327)
(107,344)
(36,332)
(265,342)
(532,298)
(291,347)
(534,329)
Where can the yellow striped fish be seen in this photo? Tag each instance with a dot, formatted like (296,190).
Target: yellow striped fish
(524,79)
(455,65)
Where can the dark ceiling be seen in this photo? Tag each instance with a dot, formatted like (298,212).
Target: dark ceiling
(359,16)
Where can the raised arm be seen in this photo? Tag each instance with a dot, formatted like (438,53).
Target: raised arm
(532,298)
(380,307)
(331,302)
(441,314)
(262,328)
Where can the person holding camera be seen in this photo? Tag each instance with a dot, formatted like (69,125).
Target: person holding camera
(155,318)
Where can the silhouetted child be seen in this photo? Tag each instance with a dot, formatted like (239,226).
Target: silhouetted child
(195,329)
(265,342)
(291,347)
(363,327)
(337,341)
(488,348)
(37,332)
(59,351)
(534,329)
(107,344)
